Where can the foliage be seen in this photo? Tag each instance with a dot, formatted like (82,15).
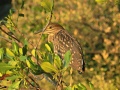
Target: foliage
(25,56)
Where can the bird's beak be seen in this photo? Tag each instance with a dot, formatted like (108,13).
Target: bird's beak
(41,31)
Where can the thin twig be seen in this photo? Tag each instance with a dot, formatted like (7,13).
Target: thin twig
(10,35)
(30,83)
(15,25)
(35,82)
(41,32)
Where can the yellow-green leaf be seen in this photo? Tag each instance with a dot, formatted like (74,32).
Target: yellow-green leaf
(15,48)
(48,67)
(1,53)
(47,4)
(0,74)
(9,52)
(14,86)
(4,67)
(100,1)
(57,61)
(28,63)
(13,63)
(67,58)
(48,47)
(21,51)
(33,52)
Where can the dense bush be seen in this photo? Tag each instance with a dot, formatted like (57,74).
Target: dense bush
(95,24)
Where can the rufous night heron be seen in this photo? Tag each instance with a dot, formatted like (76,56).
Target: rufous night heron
(62,42)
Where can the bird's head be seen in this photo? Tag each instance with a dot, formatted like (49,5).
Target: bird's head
(52,28)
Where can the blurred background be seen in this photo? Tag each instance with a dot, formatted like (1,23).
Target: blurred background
(95,25)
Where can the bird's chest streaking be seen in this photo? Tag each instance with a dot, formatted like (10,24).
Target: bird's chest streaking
(63,42)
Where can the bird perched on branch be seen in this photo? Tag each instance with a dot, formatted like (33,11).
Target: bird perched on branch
(62,42)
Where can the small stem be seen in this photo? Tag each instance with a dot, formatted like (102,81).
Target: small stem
(37,88)
(34,82)
(46,25)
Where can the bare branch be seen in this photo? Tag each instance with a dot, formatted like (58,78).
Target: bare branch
(9,35)
(41,32)
(35,82)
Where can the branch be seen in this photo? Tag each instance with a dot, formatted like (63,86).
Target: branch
(37,87)
(15,26)
(51,12)
(35,82)
(41,32)
(10,35)
(30,83)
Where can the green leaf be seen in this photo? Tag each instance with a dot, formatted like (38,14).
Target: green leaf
(91,86)
(57,61)
(9,52)
(12,63)
(47,5)
(1,53)
(25,42)
(15,46)
(14,86)
(50,58)
(4,67)
(48,47)
(24,49)
(28,63)
(23,58)
(36,69)
(75,87)
(20,51)
(67,59)
(13,77)
(11,11)
(48,67)
(68,88)
(81,87)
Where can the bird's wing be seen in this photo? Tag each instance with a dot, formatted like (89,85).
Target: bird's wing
(77,54)
(64,42)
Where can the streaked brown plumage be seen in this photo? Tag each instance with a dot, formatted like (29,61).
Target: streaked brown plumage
(63,42)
